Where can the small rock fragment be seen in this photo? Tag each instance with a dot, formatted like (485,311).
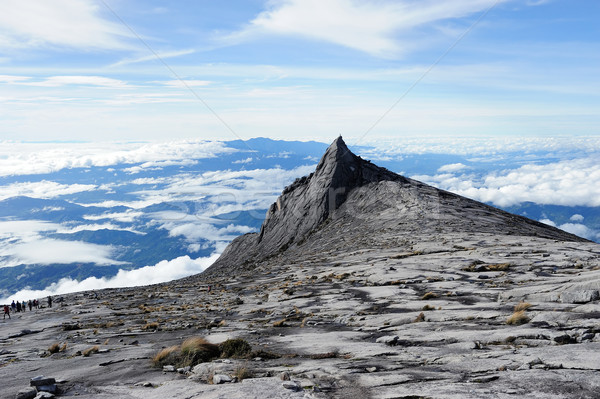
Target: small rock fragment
(221,379)
(284,376)
(292,385)
(169,368)
(388,340)
(28,393)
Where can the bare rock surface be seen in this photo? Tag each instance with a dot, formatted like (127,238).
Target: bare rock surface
(387,289)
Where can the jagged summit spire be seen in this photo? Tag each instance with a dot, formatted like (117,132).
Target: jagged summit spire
(336,153)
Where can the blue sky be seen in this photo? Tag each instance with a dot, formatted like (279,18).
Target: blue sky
(89,70)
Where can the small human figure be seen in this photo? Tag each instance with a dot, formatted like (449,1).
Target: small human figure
(30,304)
(24,306)
(6,312)
(18,306)
(49,301)
(13,306)
(209,288)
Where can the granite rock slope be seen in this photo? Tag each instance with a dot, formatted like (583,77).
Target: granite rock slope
(361,284)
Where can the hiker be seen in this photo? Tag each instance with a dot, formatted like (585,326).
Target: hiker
(24,306)
(36,304)
(30,304)
(49,301)
(13,306)
(6,312)
(18,306)
(209,287)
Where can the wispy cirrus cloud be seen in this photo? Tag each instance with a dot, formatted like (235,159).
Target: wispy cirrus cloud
(373,27)
(153,57)
(76,24)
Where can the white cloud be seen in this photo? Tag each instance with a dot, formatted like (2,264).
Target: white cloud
(580,230)
(453,167)
(570,183)
(17,158)
(247,160)
(548,222)
(152,57)
(11,79)
(125,217)
(49,251)
(62,23)
(185,83)
(161,272)
(95,227)
(22,242)
(577,218)
(365,25)
(198,231)
(42,189)
(57,81)
(575,228)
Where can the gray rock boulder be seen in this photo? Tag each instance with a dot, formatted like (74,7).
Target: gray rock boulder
(579,296)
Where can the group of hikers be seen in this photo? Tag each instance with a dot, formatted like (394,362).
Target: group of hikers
(22,306)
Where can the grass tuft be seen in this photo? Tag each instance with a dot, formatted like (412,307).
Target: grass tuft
(518,318)
(166,356)
(522,306)
(196,350)
(429,295)
(89,351)
(54,348)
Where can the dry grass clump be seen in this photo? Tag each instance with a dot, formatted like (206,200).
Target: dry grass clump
(522,306)
(89,351)
(518,318)
(279,323)
(420,318)
(196,350)
(429,295)
(150,326)
(242,372)
(428,307)
(54,348)
(166,356)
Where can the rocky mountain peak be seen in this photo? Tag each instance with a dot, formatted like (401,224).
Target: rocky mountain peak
(348,199)
(310,200)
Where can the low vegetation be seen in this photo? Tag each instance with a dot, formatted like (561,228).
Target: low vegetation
(197,350)
(522,306)
(518,318)
(235,348)
(90,351)
(429,295)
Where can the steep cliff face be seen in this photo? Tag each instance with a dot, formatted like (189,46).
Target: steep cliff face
(348,199)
